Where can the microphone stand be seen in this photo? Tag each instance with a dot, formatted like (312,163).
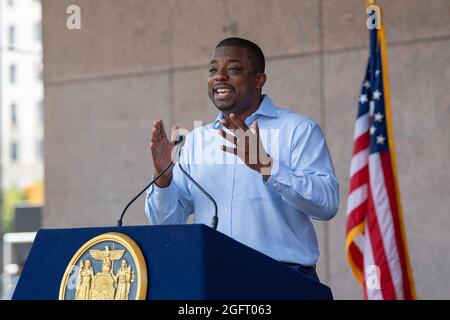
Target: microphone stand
(119,222)
(215,218)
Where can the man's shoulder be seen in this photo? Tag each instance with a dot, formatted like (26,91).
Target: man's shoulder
(294,119)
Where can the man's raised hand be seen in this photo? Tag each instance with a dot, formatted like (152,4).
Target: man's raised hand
(161,148)
(247,144)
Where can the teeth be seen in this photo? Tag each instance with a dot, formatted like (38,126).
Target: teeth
(223,91)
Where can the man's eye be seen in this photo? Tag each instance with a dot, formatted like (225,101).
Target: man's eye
(235,70)
(212,70)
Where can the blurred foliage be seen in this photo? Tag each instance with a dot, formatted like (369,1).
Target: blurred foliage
(11,198)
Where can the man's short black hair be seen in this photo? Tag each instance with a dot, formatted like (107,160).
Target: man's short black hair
(255,54)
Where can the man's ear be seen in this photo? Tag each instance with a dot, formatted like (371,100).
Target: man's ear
(261,79)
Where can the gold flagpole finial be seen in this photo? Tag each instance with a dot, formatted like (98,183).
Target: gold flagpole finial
(370,3)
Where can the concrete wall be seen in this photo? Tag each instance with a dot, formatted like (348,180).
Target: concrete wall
(134,61)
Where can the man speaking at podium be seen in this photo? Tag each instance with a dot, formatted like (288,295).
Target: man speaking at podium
(268,169)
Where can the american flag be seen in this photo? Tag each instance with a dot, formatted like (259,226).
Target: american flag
(375,236)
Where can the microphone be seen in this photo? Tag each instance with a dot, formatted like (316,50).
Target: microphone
(215,218)
(119,222)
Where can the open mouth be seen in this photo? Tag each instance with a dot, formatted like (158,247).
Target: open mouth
(222,92)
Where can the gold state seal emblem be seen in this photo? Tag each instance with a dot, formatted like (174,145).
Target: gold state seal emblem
(108,267)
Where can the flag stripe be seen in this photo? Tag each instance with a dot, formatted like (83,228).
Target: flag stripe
(359,243)
(361,126)
(359,161)
(352,235)
(357,216)
(371,293)
(387,169)
(385,222)
(357,255)
(356,198)
(377,249)
(361,143)
(359,178)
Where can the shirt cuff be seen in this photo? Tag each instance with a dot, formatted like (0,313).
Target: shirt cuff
(162,195)
(281,176)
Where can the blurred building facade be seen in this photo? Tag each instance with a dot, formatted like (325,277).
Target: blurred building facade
(21,93)
(134,61)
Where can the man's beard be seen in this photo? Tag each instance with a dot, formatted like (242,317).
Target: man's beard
(225,107)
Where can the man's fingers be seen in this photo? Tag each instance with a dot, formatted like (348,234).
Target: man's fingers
(225,123)
(162,130)
(154,135)
(231,150)
(158,129)
(255,128)
(231,139)
(155,132)
(174,133)
(233,122)
(238,122)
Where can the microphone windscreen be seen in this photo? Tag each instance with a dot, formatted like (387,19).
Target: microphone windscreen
(179,140)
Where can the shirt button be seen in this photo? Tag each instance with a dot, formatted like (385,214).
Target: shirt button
(275,185)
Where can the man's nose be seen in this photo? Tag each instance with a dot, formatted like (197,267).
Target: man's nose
(221,75)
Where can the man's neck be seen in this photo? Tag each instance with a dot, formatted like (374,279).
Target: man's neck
(248,112)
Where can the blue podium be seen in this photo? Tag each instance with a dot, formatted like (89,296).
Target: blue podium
(184,262)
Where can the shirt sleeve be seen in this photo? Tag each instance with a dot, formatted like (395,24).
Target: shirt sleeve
(308,182)
(170,205)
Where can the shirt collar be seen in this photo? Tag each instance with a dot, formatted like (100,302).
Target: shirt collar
(266,108)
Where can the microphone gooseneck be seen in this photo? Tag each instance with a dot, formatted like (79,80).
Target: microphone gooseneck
(119,222)
(215,218)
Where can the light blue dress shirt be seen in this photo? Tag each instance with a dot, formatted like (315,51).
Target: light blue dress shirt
(273,216)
